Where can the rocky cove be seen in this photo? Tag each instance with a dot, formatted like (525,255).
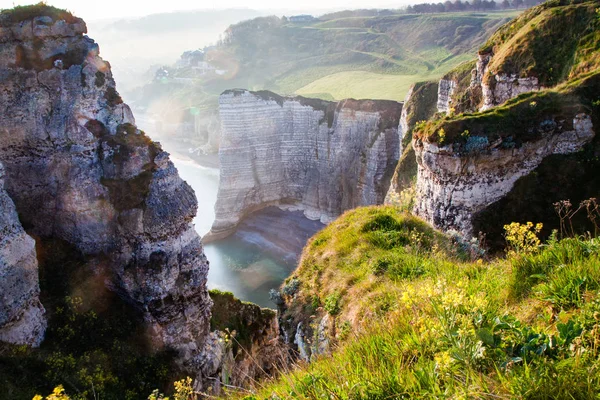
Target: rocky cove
(79,179)
(292,164)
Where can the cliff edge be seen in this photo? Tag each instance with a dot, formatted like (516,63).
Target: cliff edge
(529,98)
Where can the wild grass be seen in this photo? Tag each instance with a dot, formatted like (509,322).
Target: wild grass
(359,83)
(544,41)
(421,320)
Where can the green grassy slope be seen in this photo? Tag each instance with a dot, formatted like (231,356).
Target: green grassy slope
(359,57)
(553,42)
(416,319)
(362,57)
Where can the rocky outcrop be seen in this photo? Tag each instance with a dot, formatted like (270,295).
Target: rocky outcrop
(307,154)
(22,319)
(499,88)
(403,126)
(445,92)
(246,341)
(79,170)
(502,88)
(483,90)
(452,185)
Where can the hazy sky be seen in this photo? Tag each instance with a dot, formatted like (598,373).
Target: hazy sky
(92,9)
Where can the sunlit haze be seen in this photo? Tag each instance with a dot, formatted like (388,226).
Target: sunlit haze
(118,9)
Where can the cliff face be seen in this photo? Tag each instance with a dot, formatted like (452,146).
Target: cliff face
(79,170)
(446,90)
(21,313)
(313,155)
(467,162)
(452,187)
(419,105)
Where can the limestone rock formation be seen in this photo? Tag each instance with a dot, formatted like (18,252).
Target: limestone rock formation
(499,88)
(451,188)
(479,89)
(22,319)
(446,89)
(79,170)
(307,154)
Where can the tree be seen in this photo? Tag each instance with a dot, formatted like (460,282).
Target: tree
(458,5)
(505,4)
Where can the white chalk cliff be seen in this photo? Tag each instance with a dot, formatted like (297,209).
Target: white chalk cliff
(317,156)
(452,187)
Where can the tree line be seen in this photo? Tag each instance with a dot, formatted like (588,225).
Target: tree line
(473,5)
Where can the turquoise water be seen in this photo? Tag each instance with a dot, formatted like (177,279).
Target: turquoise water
(237,264)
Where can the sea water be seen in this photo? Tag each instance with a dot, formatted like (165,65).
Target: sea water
(263,251)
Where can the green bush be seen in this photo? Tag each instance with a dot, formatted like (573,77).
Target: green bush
(332,303)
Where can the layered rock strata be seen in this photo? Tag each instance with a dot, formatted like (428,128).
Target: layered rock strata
(79,170)
(453,186)
(446,90)
(22,319)
(312,155)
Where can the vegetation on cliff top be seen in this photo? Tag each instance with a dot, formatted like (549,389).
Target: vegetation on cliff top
(559,43)
(524,118)
(23,13)
(416,319)
(366,57)
(285,58)
(552,42)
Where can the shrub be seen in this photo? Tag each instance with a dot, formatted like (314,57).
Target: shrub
(57,394)
(559,263)
(23,13)
(332,303)
(291,287)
